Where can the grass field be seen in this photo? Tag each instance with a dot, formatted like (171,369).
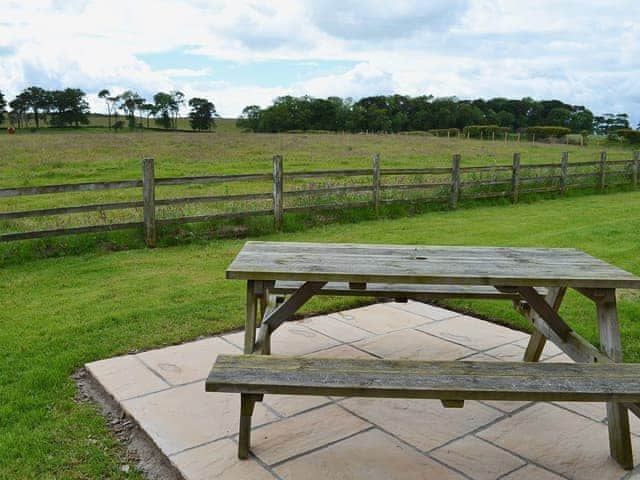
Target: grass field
(59,313)
(52,157)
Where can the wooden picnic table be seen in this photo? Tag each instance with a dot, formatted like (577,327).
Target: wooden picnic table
(534,279)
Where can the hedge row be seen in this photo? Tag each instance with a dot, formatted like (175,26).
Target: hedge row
(546,132)
(631,136)
(484,130)
(443,132)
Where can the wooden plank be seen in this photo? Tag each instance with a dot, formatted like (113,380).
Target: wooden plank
(426,265)
(70,210)
(529,166)
(251,319)
(565,170)
(291,305)
(453,380)
(149,198)
(603,171)
(278,197)
(243,177)
(329,173)
(413,186)
(617,415)
(455,182)
(537,341)
(418,292)
(546,311)
(70,187)
(214,199)
(212,217)
(416,171)
(515,179)
(489,168)
(326,191)
(247,404)
(9,237)
(375,187)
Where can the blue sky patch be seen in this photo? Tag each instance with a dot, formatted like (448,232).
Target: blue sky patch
(266,73)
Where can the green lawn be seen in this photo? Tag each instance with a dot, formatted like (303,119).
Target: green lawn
(60,313)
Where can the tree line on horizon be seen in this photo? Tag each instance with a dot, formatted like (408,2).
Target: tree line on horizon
(391,113)
(401,113)
(69,107)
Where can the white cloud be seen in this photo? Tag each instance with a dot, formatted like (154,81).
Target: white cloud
(581,52)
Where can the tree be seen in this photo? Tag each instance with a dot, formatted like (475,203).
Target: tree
(18,115)
(202,114)
(163,103)
(250,118)
(130,101)
(106,96)
(36,99)
(149,109)
(177,100)
(69,107)
(3,106)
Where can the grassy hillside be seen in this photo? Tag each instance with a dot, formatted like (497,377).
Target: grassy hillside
(59,313)
(59,157)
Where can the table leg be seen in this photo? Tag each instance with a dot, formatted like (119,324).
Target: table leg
(537,341)
(252,317)
(247,401)
(617,414)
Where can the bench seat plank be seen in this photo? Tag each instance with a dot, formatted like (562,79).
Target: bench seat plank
(405,290)
(258,374)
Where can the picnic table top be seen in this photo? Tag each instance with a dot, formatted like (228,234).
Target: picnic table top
(451,265)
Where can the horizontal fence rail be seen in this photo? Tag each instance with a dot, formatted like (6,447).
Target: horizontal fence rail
(379,186)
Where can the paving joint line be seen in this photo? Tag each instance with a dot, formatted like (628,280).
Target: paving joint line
(402,441)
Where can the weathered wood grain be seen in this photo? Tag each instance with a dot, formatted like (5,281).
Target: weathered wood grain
(8,237)
(418,292)
(455,182)
(149,199)
(69,210)
(71,187)
(260,374)
(332,262)
(278,189)
(617,415)
(515,178)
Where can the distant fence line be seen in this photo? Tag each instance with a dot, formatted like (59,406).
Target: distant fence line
(506,181)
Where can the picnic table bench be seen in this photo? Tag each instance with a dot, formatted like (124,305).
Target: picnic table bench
(534,279)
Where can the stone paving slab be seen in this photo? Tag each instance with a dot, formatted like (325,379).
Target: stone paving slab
(298,437)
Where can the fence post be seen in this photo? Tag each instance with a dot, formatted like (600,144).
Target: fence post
(515,178)
(603,170)
(149,202)
(455,182)
(635,167)
(278,188)
(376,183)
(564,172)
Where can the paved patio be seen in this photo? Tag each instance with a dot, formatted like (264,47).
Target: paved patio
(337,438)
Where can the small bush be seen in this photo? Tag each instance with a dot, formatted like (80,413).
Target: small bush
(547,132)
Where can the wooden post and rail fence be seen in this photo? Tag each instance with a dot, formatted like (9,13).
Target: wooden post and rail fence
(451,189)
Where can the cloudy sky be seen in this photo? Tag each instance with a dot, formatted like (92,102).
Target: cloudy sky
(248,52)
